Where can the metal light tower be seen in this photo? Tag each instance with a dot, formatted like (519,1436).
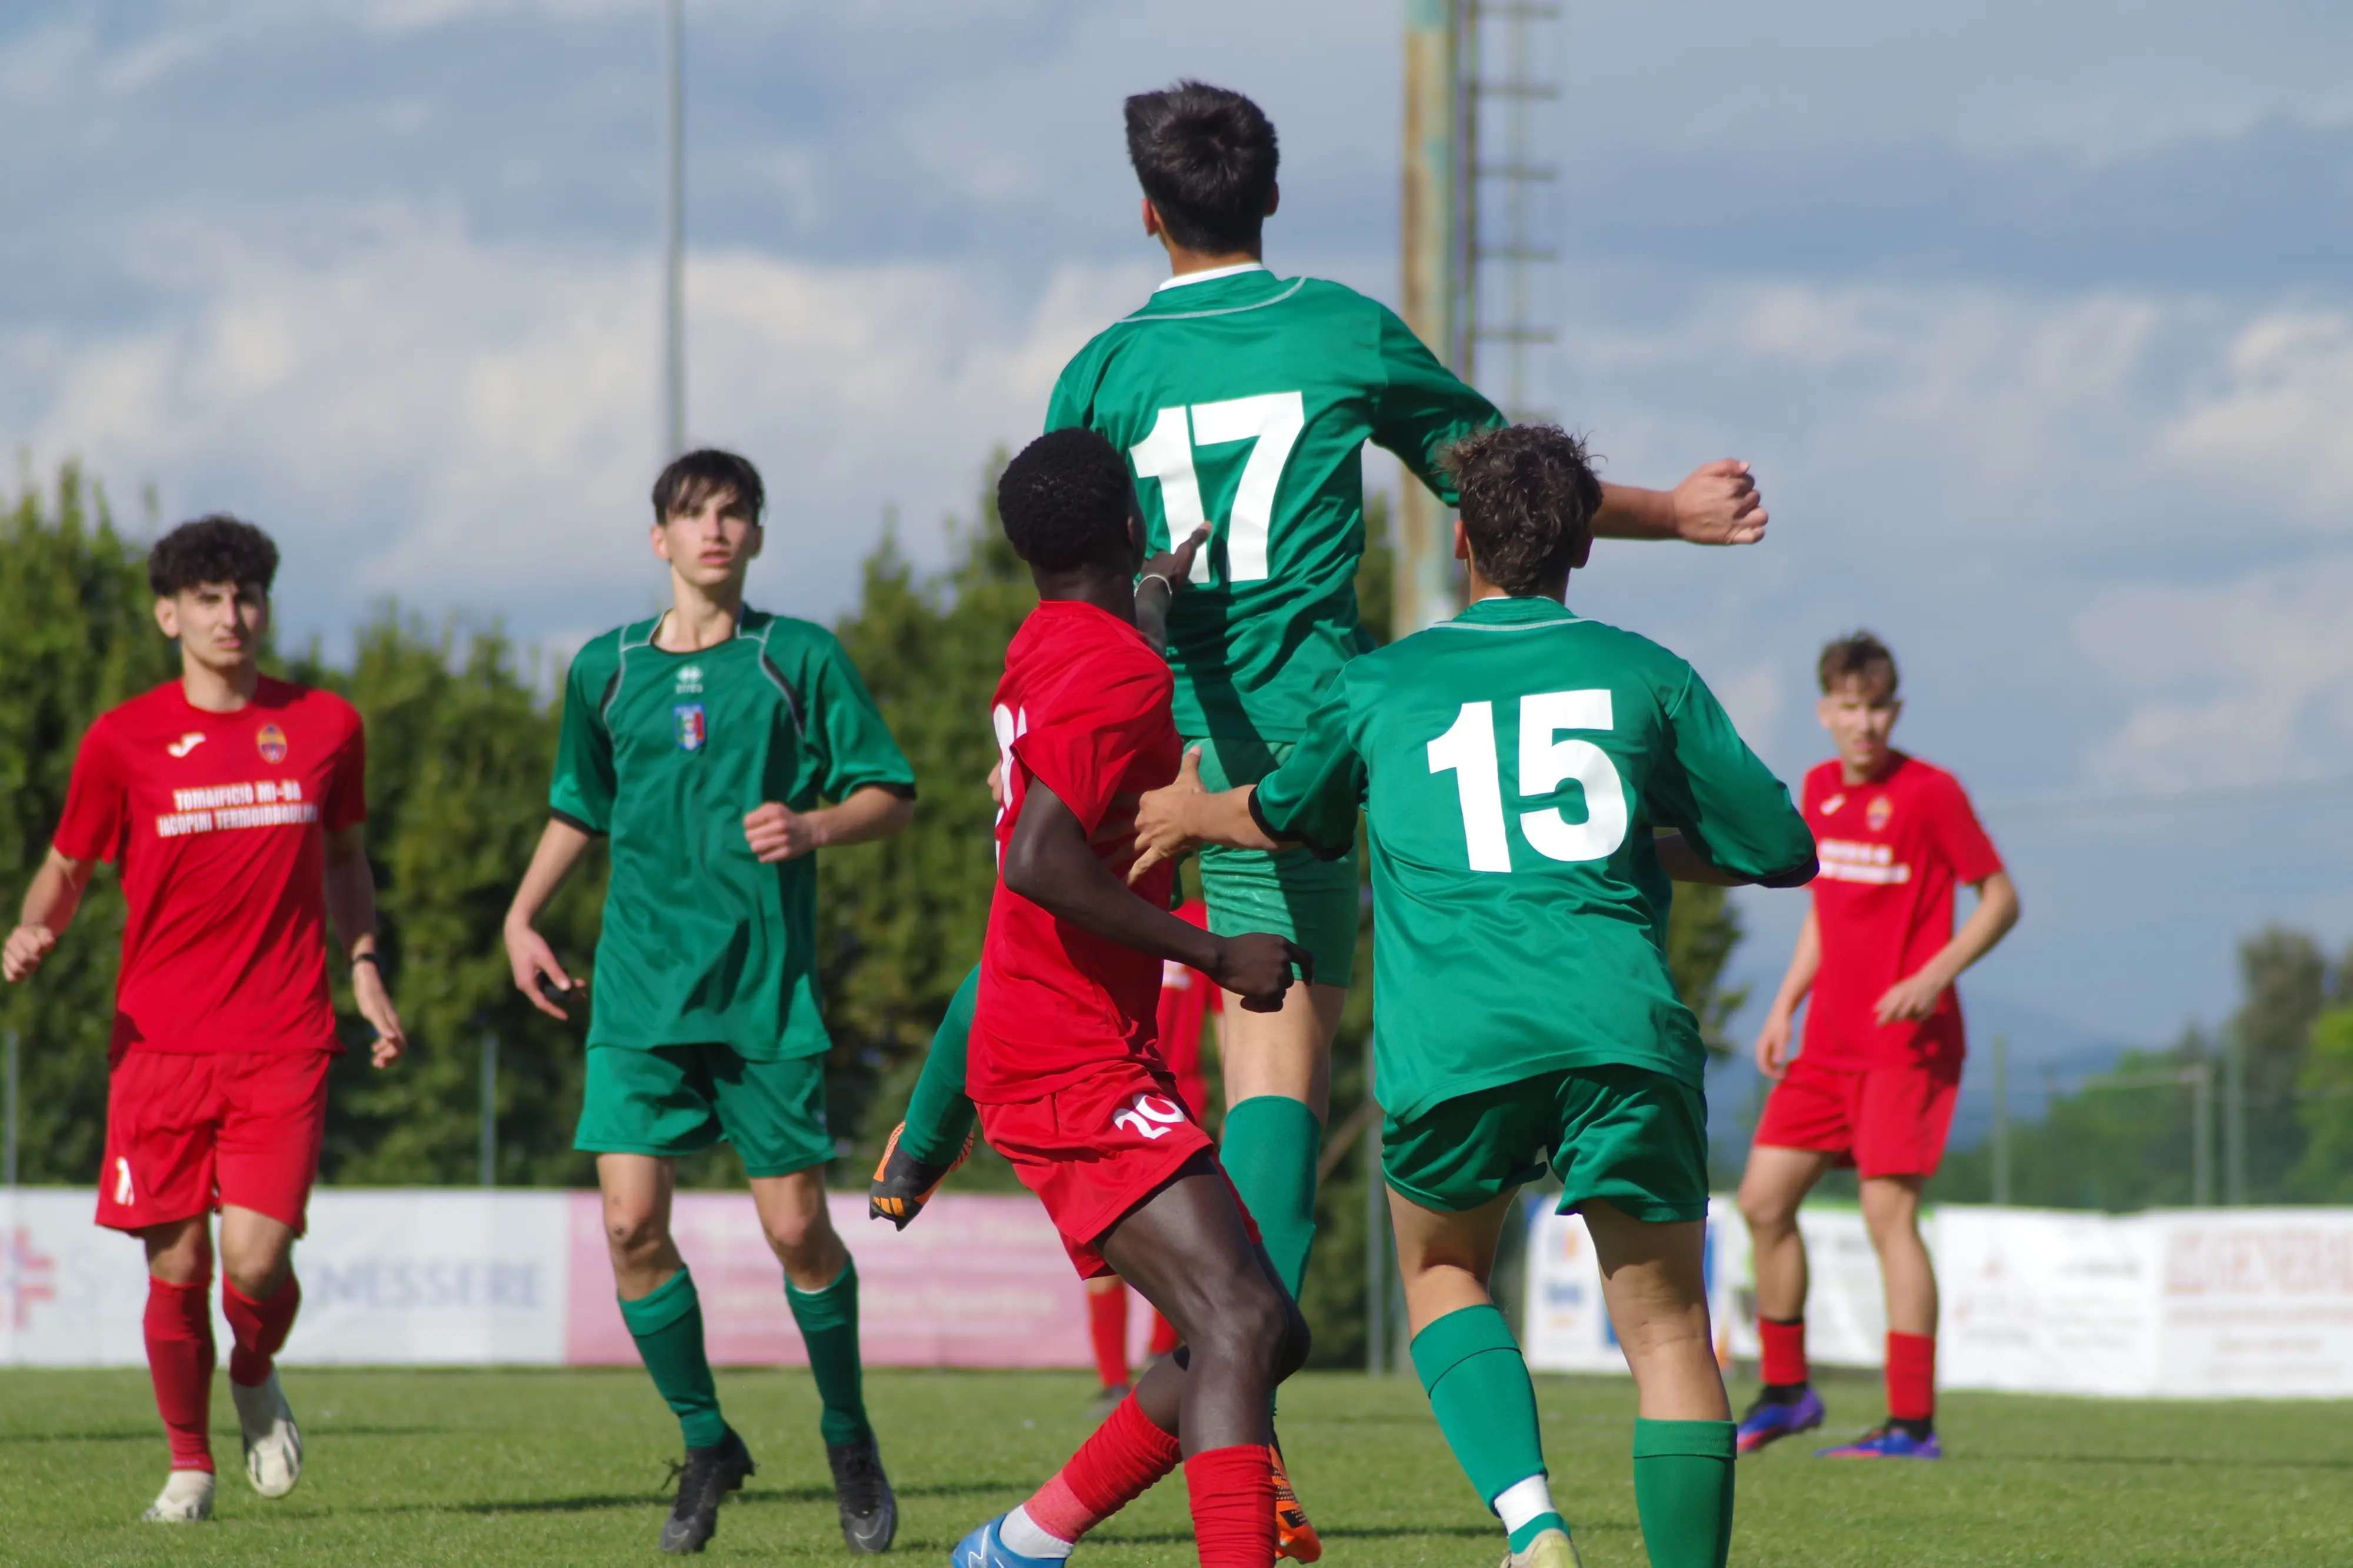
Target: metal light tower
(673,429)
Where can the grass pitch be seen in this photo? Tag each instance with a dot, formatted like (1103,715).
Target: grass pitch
(564,1467)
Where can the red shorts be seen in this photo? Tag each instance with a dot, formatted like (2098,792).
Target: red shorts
(189,1134)
(1884,1121)
(1095,1149)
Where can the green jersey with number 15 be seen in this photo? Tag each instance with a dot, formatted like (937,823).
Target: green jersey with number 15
(1511,764)
(1244,401)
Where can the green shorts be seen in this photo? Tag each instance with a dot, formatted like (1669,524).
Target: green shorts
(1634,1138)
(1287,891)
(679,1100)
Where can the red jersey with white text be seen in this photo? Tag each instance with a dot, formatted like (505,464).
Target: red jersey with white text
(1187,997)
(1891,852)
(1082,709)
(217,822)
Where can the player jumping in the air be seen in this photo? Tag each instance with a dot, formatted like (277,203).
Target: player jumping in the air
(232,804)
(702,741)
(1243,401)
(1873,1086)
(1514,762)
(1071,1087)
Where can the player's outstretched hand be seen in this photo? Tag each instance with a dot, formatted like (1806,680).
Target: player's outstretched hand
(28,945)
(375,1006)
(1773,1044)
(531,959)
(1719,504)
(776,832)
(1913,997)
(1256,967)
(1164,818)
(1176,566)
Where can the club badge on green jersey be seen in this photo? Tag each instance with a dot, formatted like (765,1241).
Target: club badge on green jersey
(692,729)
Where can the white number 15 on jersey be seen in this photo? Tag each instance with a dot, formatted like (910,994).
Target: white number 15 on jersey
(1272,420)
(1467,751)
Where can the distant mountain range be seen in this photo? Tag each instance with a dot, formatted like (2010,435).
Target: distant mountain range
(2045,1052)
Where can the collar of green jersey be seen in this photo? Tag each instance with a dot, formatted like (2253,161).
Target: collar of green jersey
(1224,290)
(1503,613)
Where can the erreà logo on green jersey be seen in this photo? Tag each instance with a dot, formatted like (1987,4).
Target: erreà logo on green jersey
(689,678)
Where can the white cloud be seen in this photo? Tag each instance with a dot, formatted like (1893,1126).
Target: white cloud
(2283,422)
(2242,681)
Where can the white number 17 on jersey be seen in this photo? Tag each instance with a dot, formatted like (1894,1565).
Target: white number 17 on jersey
(1272,419)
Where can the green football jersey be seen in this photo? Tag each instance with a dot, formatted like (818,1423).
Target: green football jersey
(1244,400)
(1511,764)
(668,753)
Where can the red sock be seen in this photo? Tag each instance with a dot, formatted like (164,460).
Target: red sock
(1163,1335)
(1107,1327)
(1119,1464)
(180,1359)
(1785,1349)
(1911,1377)
(1233,1506)
(260,1328)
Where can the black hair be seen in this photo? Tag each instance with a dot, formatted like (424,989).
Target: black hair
(1858,656)
(1206,158)
(216,548)
(1065,501)
(691,479)
(1529,496)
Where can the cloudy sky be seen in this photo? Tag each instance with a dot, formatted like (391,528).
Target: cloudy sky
(2036,321)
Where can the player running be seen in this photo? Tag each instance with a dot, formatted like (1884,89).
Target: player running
(1874,1086)
(1243,401)
(702,742)
(232,804)
(1063,1065)
(1515,764)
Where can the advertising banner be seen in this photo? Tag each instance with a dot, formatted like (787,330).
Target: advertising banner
(2254,1302)
(2041,1301)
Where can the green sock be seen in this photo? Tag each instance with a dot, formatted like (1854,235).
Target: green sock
(1682,1489)
(828,1321)
(1269,1150)
(1479,1390)
(667,1323)
(939,1115)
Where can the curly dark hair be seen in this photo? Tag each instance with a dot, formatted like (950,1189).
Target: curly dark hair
(690,478)
(1206,158)
(1065,501)
(216,548)
(1858,656)
(1529,495)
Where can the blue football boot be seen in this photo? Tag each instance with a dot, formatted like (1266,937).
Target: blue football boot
(985,1548)
(1888,1442)
(1769,1420)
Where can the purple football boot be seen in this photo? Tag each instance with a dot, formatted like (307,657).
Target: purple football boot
(1888,1442)
(1768,1420)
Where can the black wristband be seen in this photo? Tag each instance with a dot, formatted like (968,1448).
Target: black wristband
(367,957)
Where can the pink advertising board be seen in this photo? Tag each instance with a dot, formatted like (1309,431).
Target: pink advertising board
(980,1281)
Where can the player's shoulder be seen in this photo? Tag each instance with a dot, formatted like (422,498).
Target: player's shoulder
(1925,778)
(791,643)
(1822,778)
(308,704)
(157,704)
(596,661)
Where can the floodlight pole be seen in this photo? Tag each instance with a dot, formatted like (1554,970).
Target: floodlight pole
(673,434)
(1430,278)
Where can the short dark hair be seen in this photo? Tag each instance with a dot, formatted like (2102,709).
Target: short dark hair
(1529,495)
(214,548)
(1206,158)
(1065,501)
(691,479)
(1855,657)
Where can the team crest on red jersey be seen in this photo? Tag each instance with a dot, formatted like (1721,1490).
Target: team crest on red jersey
(1878,812)
(271,741)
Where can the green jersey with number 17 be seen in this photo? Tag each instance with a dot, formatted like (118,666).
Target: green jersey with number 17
(1511,764)
(1244,400)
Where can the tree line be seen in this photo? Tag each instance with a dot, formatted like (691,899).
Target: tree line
(461,733)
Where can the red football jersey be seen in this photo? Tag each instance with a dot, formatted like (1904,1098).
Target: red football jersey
(1187,997)
(219,824)
(1083,710)
(1891,852)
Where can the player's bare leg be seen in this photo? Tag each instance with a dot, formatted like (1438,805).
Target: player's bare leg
(1891,1212)
(821,1285)
(665,1317)
(1771,1190)
(1472,1369)
(259,1297)
(1188,1250)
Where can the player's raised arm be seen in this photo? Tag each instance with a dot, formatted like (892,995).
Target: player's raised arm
(1717,503)
(49,905)
(1163,576)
